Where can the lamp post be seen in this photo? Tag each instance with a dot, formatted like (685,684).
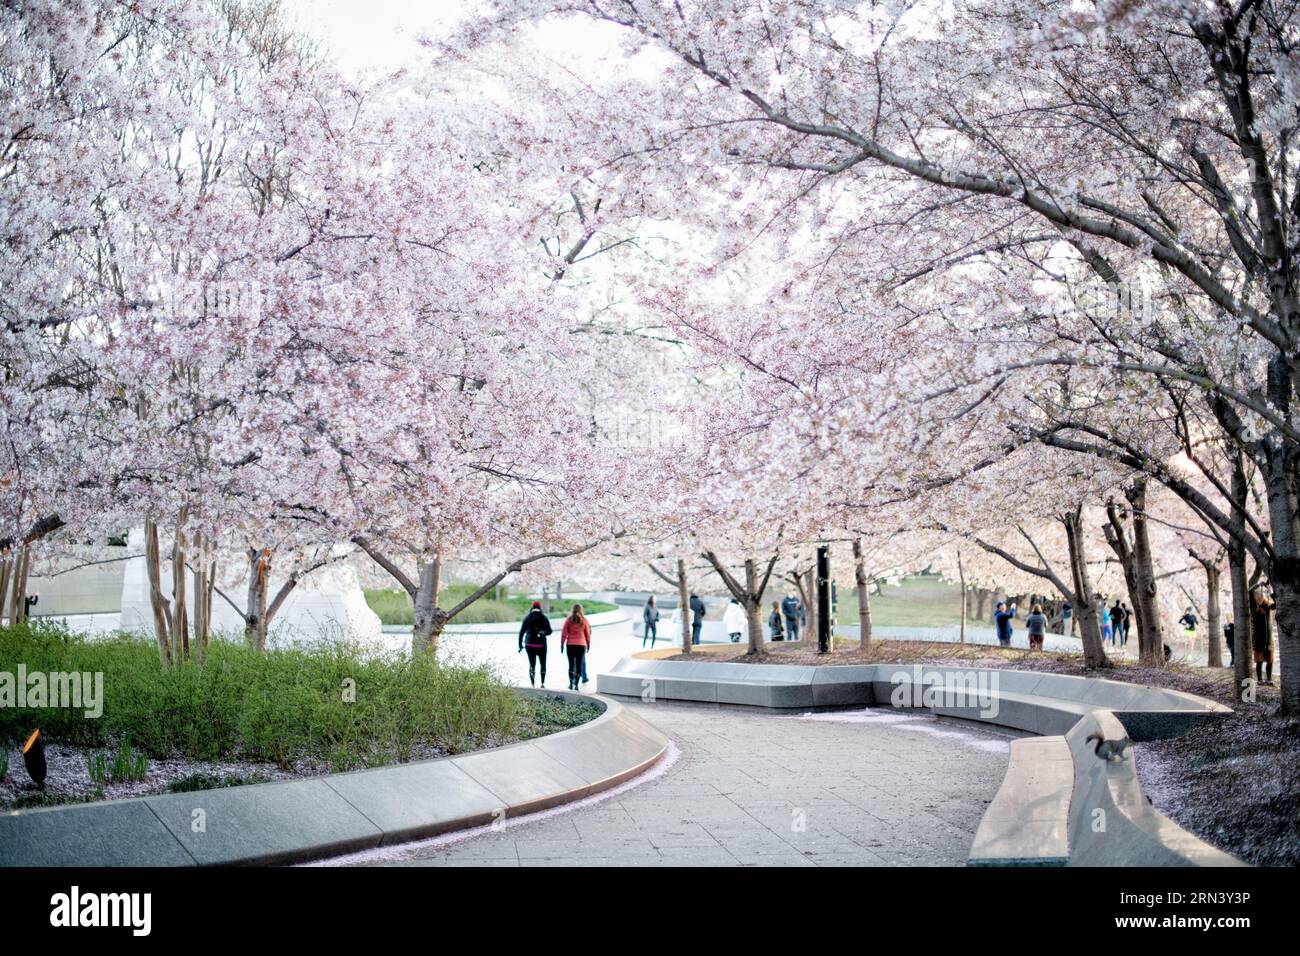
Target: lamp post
(823,599)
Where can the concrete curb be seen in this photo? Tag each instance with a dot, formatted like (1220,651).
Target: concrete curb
(298,820)
(1059,803)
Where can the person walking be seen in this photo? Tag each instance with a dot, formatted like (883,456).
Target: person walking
(733,621)
(698,611)
(650,617)
(1230,638)
(1117,623)
(1188,621)
(774,623)
(1261,634)
(1036,625)
(1128,624)
(1002,617)
(1107,631)
(533,632)
(575,641)
(791,608)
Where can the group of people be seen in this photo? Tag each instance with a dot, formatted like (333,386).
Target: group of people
(784,623)
(575,641)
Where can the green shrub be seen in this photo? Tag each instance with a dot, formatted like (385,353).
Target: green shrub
(212,781)
(279,706)
(127,766)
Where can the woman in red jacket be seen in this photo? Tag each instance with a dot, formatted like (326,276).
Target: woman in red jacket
(575,639)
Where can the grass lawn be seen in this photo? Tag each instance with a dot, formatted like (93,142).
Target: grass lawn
(394,606)
(923,601)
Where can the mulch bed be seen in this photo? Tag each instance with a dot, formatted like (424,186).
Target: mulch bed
(1235,782)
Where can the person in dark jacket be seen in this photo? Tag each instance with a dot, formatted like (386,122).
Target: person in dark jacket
(1261,634)
(697,617)
(1118,622)
(650,618)
(1002,622)
(1230,638)
(532,638)
(791,610)
(774,623)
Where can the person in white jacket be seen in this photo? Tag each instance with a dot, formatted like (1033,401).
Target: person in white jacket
(733,621)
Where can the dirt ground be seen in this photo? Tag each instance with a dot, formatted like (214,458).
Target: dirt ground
(1235,783)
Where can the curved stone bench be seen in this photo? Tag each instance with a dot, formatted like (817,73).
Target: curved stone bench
(296,820)
(1046,811)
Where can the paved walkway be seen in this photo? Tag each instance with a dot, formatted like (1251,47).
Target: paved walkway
(748,788)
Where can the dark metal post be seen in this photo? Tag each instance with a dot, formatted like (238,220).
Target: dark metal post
(823,599)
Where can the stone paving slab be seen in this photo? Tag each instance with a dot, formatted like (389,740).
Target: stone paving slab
(120,833)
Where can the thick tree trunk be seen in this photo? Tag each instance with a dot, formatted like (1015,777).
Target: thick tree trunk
(753,605)
(1213,616)
(161,608)
(1285,572)
(684,606)
(1094,654)
(259,581)
(429,618)
(864,596)
(1139,572)
(1150,645)
(1242,674)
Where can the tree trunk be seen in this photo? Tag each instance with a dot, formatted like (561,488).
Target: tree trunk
(1094,654)
(864,598)
(1213,616)
(684,606)
(961,575)
(429,620)
(6,565)
(810,605)
(1284,574)
(753,605)
(1242,674)
(259,582)
(1151,648)
(159,604)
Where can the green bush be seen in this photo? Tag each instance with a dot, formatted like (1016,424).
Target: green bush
(394,606)
(279,706)
(127,766)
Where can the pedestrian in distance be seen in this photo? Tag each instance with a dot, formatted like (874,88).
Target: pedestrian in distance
(533,632)
(791,610)
(650,618)
(1002,618)
(1107,630)
(575,641)
(733,621)
(1036,625)
(1230,638)
(1261,634)
(1117,623)
(1128,624)
(698,611)
(774,623)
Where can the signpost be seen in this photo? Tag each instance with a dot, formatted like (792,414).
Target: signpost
(823,599)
